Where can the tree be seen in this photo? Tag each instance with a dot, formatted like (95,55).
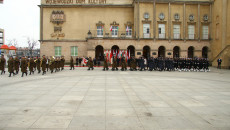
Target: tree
(31,45)
(12,42)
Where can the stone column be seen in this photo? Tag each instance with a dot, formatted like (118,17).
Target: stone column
(169,22)
(184,23)
(154,20)
(198,22)
(41,23)
(138,20)
(210,20)
(224,22)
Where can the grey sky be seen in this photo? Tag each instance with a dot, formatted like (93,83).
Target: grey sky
(20,19)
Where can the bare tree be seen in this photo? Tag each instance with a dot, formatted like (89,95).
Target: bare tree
(12,42)
(31,45)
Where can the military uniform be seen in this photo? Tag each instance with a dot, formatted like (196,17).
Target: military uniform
(11,66)
(133,64)
(38,64)
(123,64)
(31,65)
(51,64)
(105,64)
(62,63)
(2,65)
(24,66)
(16,64)
(43,65)
(90,64)
(71,63)
(114,64)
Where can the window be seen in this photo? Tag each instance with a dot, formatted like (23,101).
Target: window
(176,16)
(99,31)
(205,32)
(146,30)
(191,17)
(161,16)
(191,32)
(146,15)
(129,31)
(176,31)
(74,51)
(1,34)
(161,30)
(1,41)
(114,31)
(57,51)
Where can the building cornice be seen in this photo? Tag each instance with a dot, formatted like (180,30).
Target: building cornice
(87,6)
(62,40)
(177,1)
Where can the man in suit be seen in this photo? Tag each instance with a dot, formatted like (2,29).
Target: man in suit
(219,61)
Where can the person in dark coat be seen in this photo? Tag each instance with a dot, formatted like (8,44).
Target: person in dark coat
(114,63)
(24,66)
(2,64)
(71,63)
(133,64)
(11,66)
(219,61)
(77,60)
(16,64)
(151,64)
(123,64)
(47,63)
(62,63)
(141,63)
(90,63)
(105,64)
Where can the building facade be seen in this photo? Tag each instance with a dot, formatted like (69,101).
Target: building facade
(152,28)
(2,39)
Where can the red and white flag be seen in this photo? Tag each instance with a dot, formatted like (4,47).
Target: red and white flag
(111,28)
(84,61)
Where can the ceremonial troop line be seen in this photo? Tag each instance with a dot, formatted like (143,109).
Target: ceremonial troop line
(55,64)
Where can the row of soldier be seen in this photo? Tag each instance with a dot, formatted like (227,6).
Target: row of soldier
(43,64)
(161,64)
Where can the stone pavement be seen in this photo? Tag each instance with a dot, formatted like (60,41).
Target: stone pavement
(97,100)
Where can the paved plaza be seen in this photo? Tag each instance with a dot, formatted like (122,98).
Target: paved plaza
(98,100)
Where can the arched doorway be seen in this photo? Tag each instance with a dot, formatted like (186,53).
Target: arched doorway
(146,51)
(161,51)
(176,52)
(99,53)
(191,52)
(205,52)
(115,49)
(131,49)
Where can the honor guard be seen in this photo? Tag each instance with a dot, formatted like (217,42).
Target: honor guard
(105,64)
(62,62)
(38,62)
(11,66)
(114,64)
(31,65)
(16,64)
(90,64)
(51,64)
(43,64)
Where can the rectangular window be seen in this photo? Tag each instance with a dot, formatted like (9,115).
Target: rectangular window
(129,31)
(161,30)
(114,31)
(57,51)
(146,30)
(99,31)
(191,32)
(1,34)
(1,40)
(74,51)
(176,31)
(205,32)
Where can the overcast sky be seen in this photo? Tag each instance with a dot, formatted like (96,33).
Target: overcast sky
(20,19)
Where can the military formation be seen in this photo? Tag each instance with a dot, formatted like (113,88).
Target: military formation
(56,64)
(29,65)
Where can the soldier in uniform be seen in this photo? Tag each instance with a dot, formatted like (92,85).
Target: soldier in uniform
(90,63)
(133,64)
(11,66)
(71,63)
(43,64)
(55,64)
(38,62)
(2,64)
(51,64)
(219,61)
(123,64)
(151,64)
(141,63)
(31,65)
(114,63)
(63,63)
(47,63)
(105,64)
(24,66)
(16,64)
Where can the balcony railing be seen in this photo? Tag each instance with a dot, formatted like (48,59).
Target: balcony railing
(110,34)
(162,36)
(146,35)
(191,36)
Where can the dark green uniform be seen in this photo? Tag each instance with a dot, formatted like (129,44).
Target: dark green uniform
(2,65)
(51,64)
(105,64)
(11,66)
(16,64)
(38,64)
(62,63)
(43,65)
(24,66)
(123,64)
(90,64)
(114,65)
(71,63)
(31,65)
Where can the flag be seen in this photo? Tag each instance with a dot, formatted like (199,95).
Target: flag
(110,56)
(102,28)
(129,54)
(84,61)
(127,29)
(111,28)
(117,27)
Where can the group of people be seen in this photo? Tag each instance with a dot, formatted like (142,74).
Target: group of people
(160,64)
(55,64)
(43,64)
